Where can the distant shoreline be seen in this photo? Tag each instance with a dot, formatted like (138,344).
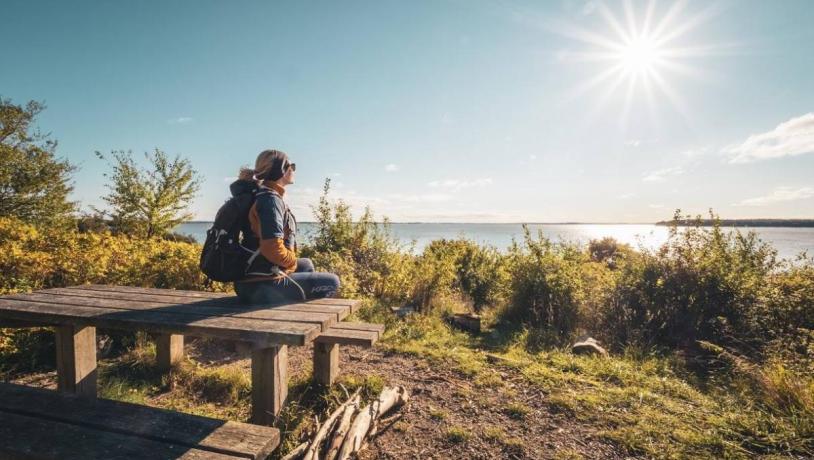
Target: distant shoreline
(789,223)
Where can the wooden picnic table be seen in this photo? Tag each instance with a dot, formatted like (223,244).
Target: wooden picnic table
(76,312)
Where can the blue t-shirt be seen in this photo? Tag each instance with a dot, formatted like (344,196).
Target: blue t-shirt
(276,220)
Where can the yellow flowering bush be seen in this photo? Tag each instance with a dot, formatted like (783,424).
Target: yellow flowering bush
(36,258)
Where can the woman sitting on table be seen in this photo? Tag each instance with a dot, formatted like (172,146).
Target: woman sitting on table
(276,275)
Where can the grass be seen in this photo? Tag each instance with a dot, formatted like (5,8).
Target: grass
(516,411)
(457,435)
(438,414)
(646,404)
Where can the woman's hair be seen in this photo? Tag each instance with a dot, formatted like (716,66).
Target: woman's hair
(270,165)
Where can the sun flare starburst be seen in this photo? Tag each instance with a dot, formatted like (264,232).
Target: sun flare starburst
(640,53)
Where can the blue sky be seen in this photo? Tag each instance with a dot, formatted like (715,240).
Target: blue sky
(495,111)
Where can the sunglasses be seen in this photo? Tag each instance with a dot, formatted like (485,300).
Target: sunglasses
(293,166)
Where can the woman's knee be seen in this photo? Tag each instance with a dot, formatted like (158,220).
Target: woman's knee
(326,286)
(305,265)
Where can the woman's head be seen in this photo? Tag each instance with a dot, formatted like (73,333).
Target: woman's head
(274,165)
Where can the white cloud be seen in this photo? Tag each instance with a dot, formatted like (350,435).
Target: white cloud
(419,198)
(457,184)
(779,194)
(662,174)
(697,152)
(391,167)
(626,196)
(180,120)
(532,157)
(655,206)
(790,138)
(588,8)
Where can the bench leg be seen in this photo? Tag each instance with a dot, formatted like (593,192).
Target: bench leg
(76,360)
(326,363)
(169,350)
(269,383)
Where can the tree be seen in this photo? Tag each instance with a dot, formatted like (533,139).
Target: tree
(34,183)
(150,202)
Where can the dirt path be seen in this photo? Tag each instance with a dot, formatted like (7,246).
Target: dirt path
(448,416)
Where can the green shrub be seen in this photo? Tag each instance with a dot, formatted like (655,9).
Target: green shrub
(547,287)
(702,284)
(37,258)
(365,255)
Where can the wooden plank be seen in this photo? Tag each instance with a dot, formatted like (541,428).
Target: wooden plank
(348,337)
(232,438)
(226,302)
(24,437)
(353,304)
(355,326)
(164,292)
(326,363)
(324,320)
(76,359)
(169,350)
(269,383)
(259,332)
(340,312)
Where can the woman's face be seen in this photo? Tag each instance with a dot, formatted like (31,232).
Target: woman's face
(288,177)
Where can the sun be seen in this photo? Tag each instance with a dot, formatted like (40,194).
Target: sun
(640,53)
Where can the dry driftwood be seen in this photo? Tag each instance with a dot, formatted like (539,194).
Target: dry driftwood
(297,451)
(342,429)
(345,434)
(389,397)
(313,450)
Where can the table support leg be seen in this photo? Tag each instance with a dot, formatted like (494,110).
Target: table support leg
(76,360)
(326,363)
(169,350)
(269,383)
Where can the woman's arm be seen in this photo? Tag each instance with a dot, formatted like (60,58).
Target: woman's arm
(266,218)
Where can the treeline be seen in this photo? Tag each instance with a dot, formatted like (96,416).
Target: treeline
(739,222)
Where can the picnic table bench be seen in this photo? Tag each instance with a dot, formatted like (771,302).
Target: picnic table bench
(44,424)
(76,312)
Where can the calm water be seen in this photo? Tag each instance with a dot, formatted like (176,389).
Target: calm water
(788,241)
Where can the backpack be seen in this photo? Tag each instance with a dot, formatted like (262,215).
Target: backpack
(223,258)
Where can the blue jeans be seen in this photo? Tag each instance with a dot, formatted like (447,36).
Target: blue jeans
(307,284)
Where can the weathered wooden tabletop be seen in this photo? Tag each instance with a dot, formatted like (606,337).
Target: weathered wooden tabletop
(77,311)
(193,313)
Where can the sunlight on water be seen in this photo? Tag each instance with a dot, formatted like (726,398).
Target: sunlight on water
(789,242)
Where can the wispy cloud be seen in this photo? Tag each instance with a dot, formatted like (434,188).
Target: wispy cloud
(180,120)
(419,198)
(391,167)
(697,152)
(790,138)
(662,174)
(457,184)
(778,195)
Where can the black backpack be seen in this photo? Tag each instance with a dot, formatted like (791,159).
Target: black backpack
(223,258)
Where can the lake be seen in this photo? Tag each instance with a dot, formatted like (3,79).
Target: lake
(789,242)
